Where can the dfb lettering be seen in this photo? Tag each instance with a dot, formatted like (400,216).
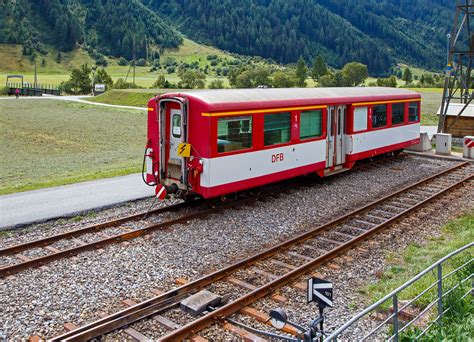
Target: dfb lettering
(277,157)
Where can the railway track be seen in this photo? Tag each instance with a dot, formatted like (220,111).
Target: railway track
(101,238)
(76,246)
(264,273)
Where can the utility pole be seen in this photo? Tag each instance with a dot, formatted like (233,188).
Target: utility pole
(36,77)
(460,51)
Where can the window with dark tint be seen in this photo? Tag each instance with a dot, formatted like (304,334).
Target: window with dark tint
(234,134)
(379,116)
(413,110)
(176,126)
(276,128)
(398,113)
(311,122)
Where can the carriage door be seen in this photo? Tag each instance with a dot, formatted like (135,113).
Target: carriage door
(175,162)
(336,136)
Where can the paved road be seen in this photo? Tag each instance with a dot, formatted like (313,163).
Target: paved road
(81,99)
(68,200)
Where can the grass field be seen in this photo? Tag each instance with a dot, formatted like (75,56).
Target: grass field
(47,143)
(13,62)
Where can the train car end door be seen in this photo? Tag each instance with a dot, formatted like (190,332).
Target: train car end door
(336,131)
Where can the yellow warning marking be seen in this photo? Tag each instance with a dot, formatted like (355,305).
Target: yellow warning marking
(184,150)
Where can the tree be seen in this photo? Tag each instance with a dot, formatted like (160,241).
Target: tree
(354,74)
(387,82)
(319,68)
(79,81)
(191,79)
(251,78)
(122,61)
(59,58)
(282,79)
(102,77)
(301,72)
(216,84)
(428,79)
(407,76)
(163,83)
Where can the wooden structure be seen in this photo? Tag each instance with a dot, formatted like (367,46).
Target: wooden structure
(459,125)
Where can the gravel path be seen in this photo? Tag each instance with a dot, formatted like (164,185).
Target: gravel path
(40,301)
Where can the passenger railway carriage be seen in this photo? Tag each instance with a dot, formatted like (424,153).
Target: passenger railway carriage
(214,142)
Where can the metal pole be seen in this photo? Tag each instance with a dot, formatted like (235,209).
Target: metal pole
(440,291)
(395,318)
(321,325)
(448,36)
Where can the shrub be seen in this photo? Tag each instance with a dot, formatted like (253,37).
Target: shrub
(121,84)
(141,62)
(122,61)
(216,84)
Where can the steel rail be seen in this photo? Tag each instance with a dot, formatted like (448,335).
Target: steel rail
(91,228)
(153,305)
(12,269)
(245,300)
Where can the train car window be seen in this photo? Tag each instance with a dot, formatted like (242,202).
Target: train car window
(176,126)
(276,128)
(398,113)
(311,124)
(234,134)
(360,119)
(413,111)
(379,116)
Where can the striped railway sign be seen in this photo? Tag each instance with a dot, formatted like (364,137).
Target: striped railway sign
(320,291)
(469,142)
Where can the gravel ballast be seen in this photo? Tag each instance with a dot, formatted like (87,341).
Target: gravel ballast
(39,301)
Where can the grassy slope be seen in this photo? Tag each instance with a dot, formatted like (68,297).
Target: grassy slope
(13,62)
(48,143)
(403,266)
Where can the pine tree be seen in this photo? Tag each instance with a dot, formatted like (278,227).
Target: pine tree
(319,68)
(407,76)
(301,72)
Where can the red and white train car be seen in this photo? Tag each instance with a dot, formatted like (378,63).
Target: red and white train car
(215,142)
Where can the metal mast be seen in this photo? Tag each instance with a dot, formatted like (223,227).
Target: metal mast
(460,50)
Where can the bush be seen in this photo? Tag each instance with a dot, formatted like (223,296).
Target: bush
(170,69)
(121,84)
(3,91)
(101,61)
(216,84)
(141,62)
(122,61)
(163,83)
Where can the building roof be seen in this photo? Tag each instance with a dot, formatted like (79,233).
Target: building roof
(455,108)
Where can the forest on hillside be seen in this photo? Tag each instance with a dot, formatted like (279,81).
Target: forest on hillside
(378,33)
(116,28)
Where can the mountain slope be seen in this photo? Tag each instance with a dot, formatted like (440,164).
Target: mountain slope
(117,28)
(373,32)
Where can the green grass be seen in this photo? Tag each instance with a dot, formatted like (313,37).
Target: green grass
(128,97)
(416,257)
(430,103)
(48,143)
(13,62)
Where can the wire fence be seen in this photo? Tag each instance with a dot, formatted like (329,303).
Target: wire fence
(450,277)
